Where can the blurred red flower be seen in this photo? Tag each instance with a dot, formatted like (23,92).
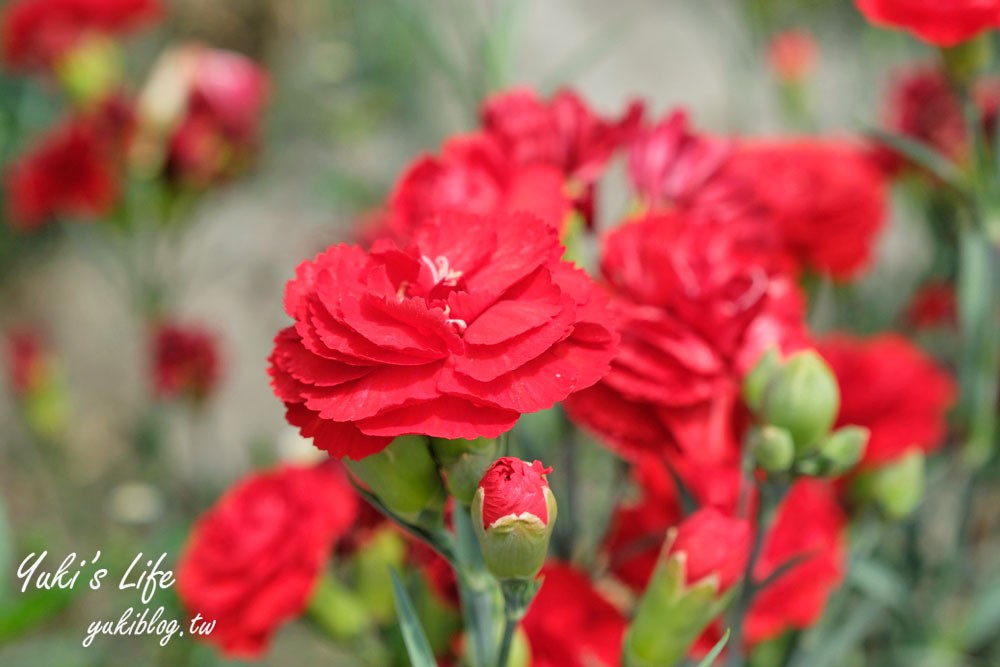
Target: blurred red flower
(922,104)
(697,300)
(185,362)
(809,526)
(890,386)
(940,23)
(671,166)
(474,175)
(792,55)
(37,33)
(827,199)
(569,624)
(933,305)
(563,133)
(72,172)
(713,544)
(475,322)
(253,560)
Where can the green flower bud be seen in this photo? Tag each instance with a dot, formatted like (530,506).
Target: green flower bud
(90,70)
(756,381)
(842,450)
(802,398)
(404,477)
(513,514)
(463,463)
(899,487)
(772,448)
(702,561)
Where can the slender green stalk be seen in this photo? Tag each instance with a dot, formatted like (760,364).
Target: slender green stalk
(770,495)
(478,590)
(509,625)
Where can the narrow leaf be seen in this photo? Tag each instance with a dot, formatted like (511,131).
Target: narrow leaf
(417,646)
(714,653)
(920,154)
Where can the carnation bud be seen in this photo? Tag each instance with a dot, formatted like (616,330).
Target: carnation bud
(772,448)
(463,463)
(899,486)
(802,397)
(513,513)
(756,381)
(703,558)
(841,450)
(404,477)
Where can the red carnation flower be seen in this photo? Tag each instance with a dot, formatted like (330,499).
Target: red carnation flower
(792,55)
(933,305)
(185,362)
(473,175)
(513,487)
(569,624)
(475,322)
(938,23)
(922,105)
(827,199)
(72,172)
(809,526)
(713,544)
(37,33)
(563,133)
(670,166)
(697,301)
(889,386)
(252,561)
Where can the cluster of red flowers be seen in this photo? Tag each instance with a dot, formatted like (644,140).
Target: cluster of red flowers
(195,123)
(463,314)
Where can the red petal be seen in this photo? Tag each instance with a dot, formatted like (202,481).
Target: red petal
(443,417)
(384,388)
(336,438)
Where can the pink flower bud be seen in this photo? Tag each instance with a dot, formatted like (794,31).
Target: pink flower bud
(513,513)
(512,487)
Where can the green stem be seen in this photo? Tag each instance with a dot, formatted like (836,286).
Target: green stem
(517,596)
(509,625)
(770,495)
(477,589)
(979,363)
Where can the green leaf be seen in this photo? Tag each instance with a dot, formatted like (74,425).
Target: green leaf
(921,155)
(714,653)
(880,582)
(31,610)
(417,646)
